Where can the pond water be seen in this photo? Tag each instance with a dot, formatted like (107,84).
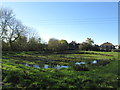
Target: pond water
(46,66)
(56,66)
(94,62)
(91,62)
(78,63)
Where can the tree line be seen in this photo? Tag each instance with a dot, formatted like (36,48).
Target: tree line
(14,37)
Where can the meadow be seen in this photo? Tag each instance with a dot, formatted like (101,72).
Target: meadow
(71,69)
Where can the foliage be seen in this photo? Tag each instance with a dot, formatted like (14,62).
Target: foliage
(116,50)
(81,67)
(63,45)
(73,45)
(30,51)
(34,44)
(11,28)
(89,41)
(89,46)
(20,76)
(57,45)
(85,46)
(20,44)
(5,46)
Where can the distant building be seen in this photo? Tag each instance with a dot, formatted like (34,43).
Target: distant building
(107,46)
(73,45)
(117,46)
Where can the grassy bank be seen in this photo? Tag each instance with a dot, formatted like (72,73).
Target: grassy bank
(17,75)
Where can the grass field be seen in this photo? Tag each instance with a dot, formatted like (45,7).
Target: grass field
(37,70)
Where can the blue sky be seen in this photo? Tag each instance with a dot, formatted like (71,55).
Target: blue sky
(70,20)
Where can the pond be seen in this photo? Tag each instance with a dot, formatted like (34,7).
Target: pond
(79,63)
(56,66)
(46,66)
(94,62)
(91,62)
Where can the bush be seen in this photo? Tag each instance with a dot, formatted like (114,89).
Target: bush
(116,50)
(5,46)
(81,67)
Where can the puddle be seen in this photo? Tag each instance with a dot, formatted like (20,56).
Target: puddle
(61,66)
(78,63)
(94,62)
(26,64)
(56,66)
(36,66)
(46,66)
(90,62)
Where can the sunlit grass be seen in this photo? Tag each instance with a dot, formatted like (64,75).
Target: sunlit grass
(21,76)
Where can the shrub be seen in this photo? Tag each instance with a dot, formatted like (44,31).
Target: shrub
(81,67)
(116,50)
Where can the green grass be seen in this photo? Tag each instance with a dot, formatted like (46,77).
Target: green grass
(20,76)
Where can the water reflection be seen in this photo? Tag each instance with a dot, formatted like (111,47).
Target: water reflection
(42,65)
(36,66)
(90,62)
(46,66)
(27,65)
(61,66)
(78,63)
(94,62)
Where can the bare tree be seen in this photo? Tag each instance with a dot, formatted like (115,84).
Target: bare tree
(10,27)
(6,16)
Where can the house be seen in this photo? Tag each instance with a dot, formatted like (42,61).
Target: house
(73,45)
(117,46)
(107,46)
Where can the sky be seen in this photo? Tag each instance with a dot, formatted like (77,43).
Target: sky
(60,0)
(72,21)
